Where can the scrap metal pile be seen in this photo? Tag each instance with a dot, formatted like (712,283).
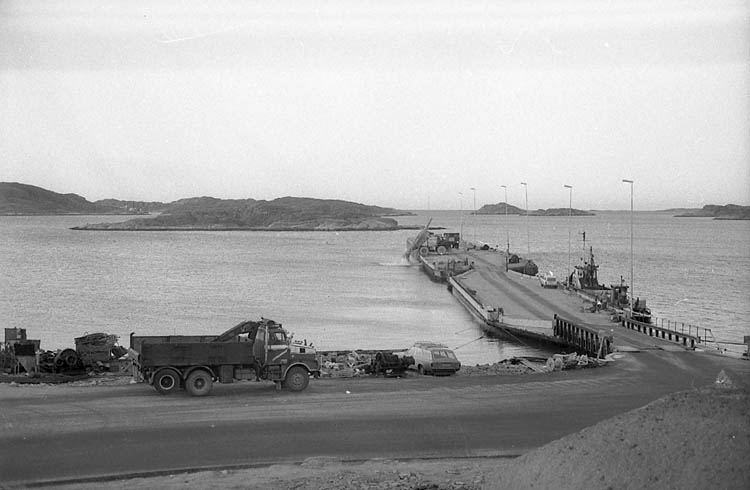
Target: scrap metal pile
(97,352)
(364,363)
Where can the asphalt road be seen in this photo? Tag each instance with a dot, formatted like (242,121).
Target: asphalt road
(56,433)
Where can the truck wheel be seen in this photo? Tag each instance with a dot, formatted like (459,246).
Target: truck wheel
(167,381)
(199,383)
(297,378)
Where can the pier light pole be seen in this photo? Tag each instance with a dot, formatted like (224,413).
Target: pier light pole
(474,219)
(507,232)
(632,288)
(461,204)
(528,240)
(570,213)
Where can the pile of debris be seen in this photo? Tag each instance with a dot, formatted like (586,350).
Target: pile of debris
(98,350)
(561,362)
(351,364)
(530,365)
(94,352)
(512,366)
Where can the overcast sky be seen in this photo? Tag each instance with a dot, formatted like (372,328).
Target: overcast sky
(394,103)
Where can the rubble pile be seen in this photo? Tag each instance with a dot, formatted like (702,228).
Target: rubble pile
(96,350)
(512,366)
(561,362)
(345,365)
(529,365)
(353,364)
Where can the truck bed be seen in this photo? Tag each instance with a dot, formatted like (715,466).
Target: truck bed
(196,353)
(136,341)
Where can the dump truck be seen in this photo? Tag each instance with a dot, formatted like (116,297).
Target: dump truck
(250,350)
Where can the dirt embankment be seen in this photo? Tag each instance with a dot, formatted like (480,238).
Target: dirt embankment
(697,439)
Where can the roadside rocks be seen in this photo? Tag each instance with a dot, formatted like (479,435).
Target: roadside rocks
(382,474)
(353,364)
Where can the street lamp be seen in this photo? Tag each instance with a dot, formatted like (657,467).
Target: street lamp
(570,213)
(528,239)
(632,288)
(474,219)
(507,232)
(461,204)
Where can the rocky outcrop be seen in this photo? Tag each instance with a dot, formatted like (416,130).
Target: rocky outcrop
(500,209)
(729,211)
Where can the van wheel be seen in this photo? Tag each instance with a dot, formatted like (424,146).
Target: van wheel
(167,381)
(199,383)
(297,379)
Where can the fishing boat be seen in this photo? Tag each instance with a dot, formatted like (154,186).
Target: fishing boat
(584,279)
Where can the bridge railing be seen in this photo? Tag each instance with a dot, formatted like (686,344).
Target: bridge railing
(590,340)
(687,335)
(702,334)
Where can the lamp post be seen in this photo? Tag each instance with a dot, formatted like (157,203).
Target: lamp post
(528,239)
(507,232)
(474,219)
(632,288)
(570,213)
(461,204)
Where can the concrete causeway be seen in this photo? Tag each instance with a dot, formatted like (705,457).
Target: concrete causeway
(528,307)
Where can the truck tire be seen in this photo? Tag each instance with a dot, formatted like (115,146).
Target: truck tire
(166,381)
(297,379)
(199,383)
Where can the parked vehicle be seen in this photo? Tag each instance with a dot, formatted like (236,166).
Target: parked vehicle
(547,280)
(433,358)
(250,350)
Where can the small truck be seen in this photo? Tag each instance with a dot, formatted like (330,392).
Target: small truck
(250,350)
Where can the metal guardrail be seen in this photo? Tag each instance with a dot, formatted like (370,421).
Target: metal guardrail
(688,339)
(590,340)
(702,334)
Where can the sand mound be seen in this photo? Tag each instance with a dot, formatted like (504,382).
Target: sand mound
(696,439)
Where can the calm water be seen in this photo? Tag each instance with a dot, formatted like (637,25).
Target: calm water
(345,290)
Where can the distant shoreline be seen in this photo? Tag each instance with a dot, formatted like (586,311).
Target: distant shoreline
(284,229)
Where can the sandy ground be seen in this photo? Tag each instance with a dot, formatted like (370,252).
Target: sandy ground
(696,439)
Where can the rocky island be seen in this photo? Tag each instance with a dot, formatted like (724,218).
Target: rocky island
(500,208)
(729,211)
(283,214)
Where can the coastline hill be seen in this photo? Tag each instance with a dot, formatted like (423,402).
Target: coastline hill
(286,213)
(499,208)
(28,200)
(24,199)
(730,211)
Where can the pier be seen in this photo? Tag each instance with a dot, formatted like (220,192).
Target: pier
(507,303)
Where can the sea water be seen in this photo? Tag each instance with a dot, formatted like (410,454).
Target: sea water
(348,290)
